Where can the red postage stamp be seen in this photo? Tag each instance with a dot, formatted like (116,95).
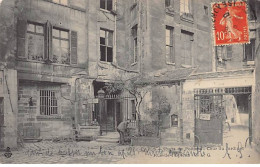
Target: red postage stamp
(230,24)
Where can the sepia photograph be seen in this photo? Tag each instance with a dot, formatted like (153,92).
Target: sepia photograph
(129,81)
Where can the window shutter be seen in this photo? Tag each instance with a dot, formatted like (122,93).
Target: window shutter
(21,36)
(74,47)
(48,41)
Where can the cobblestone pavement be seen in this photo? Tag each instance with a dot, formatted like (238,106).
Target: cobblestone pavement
(48,152)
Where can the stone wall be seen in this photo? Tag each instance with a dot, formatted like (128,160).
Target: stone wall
(32,124)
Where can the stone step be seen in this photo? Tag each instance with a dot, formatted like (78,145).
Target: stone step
(107,140)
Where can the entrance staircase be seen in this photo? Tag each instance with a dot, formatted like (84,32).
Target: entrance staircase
(109,137)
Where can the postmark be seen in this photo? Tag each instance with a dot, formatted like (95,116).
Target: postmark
(230,22)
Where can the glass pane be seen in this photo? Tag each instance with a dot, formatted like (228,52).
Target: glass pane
(64,2)
(102,33)
(103,4)
(103,41)
(35,47)
(109,5)
(109,54)
(56,50)
(102,53)
(168,50)
(31,27)
(110,39)
(64,34)
(65,59)
(39,29)
(56,33)
(65,44)
(167,3)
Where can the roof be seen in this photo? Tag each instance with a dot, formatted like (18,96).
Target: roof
(165,76)
(221,74)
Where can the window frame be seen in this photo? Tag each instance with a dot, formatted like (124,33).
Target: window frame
(61,39)
(252,46)
(176,124)
(134,36)
(170,59)
(189,5)
(34,33)
(106,45)
(105,9)
(57,92)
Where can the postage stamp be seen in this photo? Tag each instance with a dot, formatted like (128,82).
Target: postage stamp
(230,24)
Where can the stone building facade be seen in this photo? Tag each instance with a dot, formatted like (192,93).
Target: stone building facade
(65,51)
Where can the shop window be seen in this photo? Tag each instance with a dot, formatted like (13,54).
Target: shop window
(174,120)
(106,45)
(106,4)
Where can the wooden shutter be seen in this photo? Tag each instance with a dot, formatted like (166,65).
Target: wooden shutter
(74,47)
(21,37)
(48,41)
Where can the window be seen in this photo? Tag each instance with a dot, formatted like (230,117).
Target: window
(249,53)
(62,2)
(224,52)
(169,45)
(106,4)
(135,43)
(106,45)
(133,110)
(42,42)
(60,46)
(35,42)
(206,10)
(174,120)
(185,6)
(186,48)
(168,3)
(48,102)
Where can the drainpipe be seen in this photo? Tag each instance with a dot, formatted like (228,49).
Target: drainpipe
(181,114)
(115,42)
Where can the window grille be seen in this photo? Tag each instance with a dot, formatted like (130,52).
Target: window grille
(48,102)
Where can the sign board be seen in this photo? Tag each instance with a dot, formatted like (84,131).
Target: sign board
(205,117)
(93,100)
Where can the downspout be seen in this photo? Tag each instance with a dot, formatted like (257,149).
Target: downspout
(115,37)
(181,114)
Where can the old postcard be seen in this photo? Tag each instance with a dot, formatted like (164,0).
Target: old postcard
(129,81)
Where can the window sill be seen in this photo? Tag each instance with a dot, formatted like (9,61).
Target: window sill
(48,117)
(169,63)
(42,62)
(67,6)
(133,63)
(104,10)
(169,11)
(188,17)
